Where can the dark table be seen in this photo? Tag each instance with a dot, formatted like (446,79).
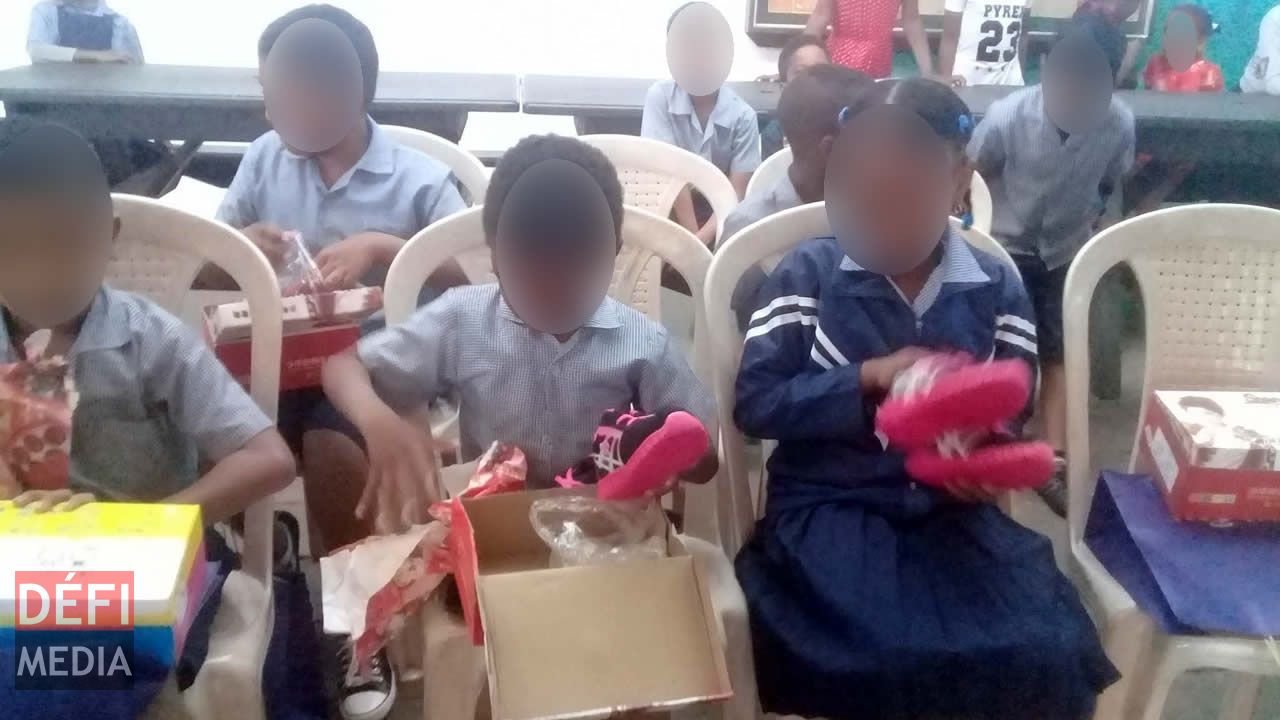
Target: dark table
(174,102)
(1229,128)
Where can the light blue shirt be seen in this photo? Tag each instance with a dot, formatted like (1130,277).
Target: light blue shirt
(525,387)
(43,36)
(731,139)
(154,401)
(1048,192)
(393,189)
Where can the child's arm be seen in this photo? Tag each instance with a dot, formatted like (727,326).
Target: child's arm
(397,370)
(951,20)
(746,152)
(205,404)
(1015,336)
(655,121)
(820,19)
(43,47)
(263,466)
(987,148)
(913,28)
(783,392)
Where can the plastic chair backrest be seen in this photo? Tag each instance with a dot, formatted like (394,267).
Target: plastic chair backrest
(980,203)
(762,243)
(1210,282)
(653,173)
(770,172)
(156,236)
(467,168)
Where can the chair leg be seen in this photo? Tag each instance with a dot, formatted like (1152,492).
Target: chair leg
(1242,697)
(1128,643)
(1166,674)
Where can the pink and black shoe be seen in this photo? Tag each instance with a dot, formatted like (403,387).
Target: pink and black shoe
(635,455)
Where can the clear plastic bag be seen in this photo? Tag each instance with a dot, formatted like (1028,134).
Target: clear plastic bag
(299,275)
(584,530)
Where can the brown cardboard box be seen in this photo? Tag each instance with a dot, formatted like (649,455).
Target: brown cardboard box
(1215,454)
(315,328)
(583,642)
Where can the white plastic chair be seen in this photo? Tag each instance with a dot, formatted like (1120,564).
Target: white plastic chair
(980,203)
(762,243)
(466,167)
(156,239)
(1210,282)
(653,173)
(770,172)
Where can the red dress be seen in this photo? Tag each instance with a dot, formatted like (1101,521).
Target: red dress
(1202,76)
(862,35)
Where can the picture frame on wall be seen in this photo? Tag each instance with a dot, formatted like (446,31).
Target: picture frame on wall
(771,22)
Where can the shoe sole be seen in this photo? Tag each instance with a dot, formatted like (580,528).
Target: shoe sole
(977,397)
(380,712)
(682,441)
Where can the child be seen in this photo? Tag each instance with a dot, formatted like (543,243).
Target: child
(718,125)
(155,404)
(83,31)
(329,172)
(1052,155)
(862,33)
(800,53)
(807,110)
(983,41)
(1181,66)
(535,359)
(871,596)
(1263,73)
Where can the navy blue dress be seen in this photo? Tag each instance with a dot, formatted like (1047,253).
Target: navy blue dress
(871,597)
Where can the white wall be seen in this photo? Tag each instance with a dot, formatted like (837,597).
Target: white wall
(622,38)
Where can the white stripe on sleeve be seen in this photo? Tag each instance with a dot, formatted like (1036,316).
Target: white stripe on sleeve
(830,348)
(777,322)
(785,301)
(1017,341)
(821,359)
(1017,323)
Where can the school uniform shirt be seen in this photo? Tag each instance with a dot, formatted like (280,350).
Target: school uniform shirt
(392,189)
(821,315)
(988,45)
(154,402)
(1263,73)
(730,140)
(756,207)
(58,29)
(524,387)
(1048,190)
(1202,76)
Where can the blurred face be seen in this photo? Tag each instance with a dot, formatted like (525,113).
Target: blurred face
(806,57)
(554,295)
(55,256)
(1119,10)
(699,49)
(1077,91)
(890,207)
(1182,43)
(312,87)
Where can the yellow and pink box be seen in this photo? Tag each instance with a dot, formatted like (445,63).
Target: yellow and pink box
(104,567)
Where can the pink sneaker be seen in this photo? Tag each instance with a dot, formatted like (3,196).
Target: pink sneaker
(636,455)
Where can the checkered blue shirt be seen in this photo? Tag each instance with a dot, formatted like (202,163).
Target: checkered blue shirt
(1049,192)
(154,401)
(525,387)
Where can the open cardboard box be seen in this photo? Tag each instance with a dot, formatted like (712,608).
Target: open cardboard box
(582,642)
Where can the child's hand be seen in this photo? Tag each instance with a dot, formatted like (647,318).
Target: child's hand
(39,501)
(343,264)
(403,479)
(270,240)
(105,57)
(878,374)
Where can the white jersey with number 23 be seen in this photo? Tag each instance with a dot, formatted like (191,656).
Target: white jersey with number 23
(990,31)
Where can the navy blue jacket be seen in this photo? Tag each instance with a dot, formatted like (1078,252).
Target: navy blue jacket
(821,315)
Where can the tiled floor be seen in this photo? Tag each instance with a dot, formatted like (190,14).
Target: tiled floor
(1112,423)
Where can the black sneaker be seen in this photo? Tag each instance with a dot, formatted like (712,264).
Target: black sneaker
(367,697)
(1054,492)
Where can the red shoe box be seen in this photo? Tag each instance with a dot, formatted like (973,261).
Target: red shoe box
(315,328)
(1216,455)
